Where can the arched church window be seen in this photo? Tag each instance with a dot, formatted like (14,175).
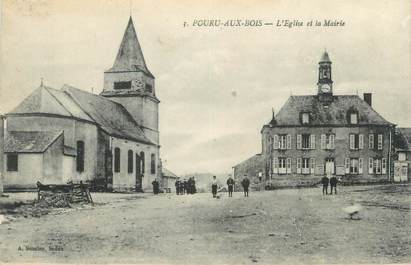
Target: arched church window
(130,161)
(143,162)
(116,159)
(80,156)
(153,164)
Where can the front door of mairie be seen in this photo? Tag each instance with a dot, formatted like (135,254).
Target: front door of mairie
(329,166)
(138,174)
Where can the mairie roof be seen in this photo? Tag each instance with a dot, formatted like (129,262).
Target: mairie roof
(30,142)
(130,56)
(333,113)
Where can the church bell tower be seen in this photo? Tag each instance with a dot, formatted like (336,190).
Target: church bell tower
(325,83)
(130,83)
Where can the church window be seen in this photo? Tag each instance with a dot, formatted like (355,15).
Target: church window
(116,159)
(143,162)
(12,162)
(153,164)
(122,85)
(149,88)
(80,156)
(130,161)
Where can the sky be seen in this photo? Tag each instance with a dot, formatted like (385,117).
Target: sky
(217,85)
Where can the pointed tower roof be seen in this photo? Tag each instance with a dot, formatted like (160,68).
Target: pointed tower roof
(130,56)
(325,58)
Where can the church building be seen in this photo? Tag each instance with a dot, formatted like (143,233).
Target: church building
(110,140)
(324,133)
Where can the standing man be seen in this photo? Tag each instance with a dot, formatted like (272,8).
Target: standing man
(325,180)
(214,184)
(156,186)
(177,184)
(245,183)
(230,184)
(333,184)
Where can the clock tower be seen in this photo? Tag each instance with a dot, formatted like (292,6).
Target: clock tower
(325,83)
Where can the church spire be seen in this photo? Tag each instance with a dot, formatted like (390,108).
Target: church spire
(130,56)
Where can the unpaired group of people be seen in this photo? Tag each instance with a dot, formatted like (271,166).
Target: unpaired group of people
(245,183)
(186,186)
(332,181)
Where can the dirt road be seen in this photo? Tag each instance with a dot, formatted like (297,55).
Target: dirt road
(298,226)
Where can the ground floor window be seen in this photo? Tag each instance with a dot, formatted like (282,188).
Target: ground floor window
(377,166)
(353,165)
(12,162)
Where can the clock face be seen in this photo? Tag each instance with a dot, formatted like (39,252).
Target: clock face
(325,88)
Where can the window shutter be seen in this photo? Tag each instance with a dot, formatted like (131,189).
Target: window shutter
(361,141)
(360,165)
(312,165)
(347,166)
(289,165)
(298,141)
(312,141)
(275,142)
(332,141)
(380,142)
(275,165)
(370,165)
(371,141)
(384,165)
(288,141)
(323,141)
(352,141)
(299,165)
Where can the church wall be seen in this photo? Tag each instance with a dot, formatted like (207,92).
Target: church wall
(30,170)
(69,166)
(139,79)
(88,134)
(126,181)
(43,123)
(53,163)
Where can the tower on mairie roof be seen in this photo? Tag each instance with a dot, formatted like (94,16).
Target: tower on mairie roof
(325,83)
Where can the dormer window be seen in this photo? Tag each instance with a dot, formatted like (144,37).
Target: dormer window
(149,88)
(354,118)
(122,85)
(305,118)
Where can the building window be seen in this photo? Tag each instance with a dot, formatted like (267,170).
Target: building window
(312,165)
(116,159)
(305,118)
(380,142)
(353,118)
(153,164)
(354,166)
(12,162)
(402,157)
(122,85)
(305,169)
(143,163)
(80,156)
(371,141)
(282,141)
(288,161)
(356,141)
(282,167)
(327,141)
(130,161)
(377,166)
(149,88)
(305,141)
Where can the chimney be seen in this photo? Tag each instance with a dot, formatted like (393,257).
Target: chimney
(368,98)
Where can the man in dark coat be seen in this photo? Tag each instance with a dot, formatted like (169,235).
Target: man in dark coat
(333,184)
(214,186)
(230,184)
(156,186)
(325,180)
(177,184)
(245,183)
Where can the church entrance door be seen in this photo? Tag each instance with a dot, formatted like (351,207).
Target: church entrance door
(139,186)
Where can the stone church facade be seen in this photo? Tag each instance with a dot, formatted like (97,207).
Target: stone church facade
(320,134)
(111,140)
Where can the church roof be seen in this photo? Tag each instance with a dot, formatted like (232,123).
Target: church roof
(130,56)
(111,116)
(47,100)
(30,142)
(333,113)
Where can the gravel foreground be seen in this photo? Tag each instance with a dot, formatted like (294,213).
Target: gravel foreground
(282,226)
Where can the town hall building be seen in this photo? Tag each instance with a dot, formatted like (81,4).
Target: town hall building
(110,140)
(324,133)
